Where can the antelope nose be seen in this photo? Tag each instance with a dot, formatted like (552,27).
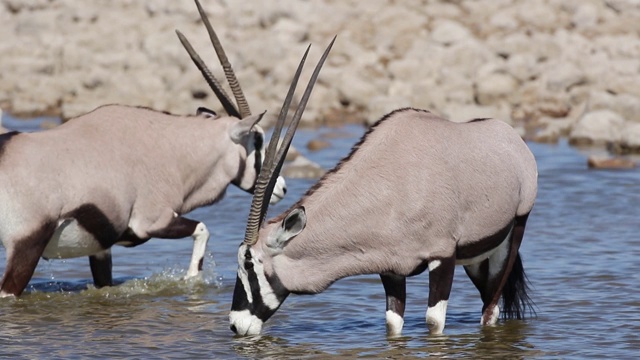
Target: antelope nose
(284,190)
(233,328)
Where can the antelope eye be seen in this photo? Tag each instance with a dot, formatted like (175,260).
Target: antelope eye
(248,265)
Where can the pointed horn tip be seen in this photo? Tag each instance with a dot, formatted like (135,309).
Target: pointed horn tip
(259,118)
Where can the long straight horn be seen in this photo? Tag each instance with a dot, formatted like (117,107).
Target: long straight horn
(268,176)
(227,104)
(255,213)
(226,65)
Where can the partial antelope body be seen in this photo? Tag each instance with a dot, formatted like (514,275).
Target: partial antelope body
(417,192)
(122,175)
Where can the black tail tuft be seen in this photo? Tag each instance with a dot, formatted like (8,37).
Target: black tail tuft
(516,300)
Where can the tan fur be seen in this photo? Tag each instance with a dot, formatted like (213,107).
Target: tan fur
(417,188)
(126,160)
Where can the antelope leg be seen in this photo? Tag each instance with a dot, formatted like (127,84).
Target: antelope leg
(440,281)
(22,259)
(500,267)
(180,227)
(101,269)
(395,289)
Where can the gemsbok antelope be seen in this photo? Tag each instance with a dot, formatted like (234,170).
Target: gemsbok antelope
(121,175)
(417,192)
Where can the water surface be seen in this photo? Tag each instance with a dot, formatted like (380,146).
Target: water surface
(581,252)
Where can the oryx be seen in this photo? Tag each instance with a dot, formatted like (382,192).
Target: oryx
(417,192)
(121,175)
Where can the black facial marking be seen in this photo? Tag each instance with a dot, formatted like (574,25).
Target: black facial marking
(258,307)
(258,143)
(239,301)
(248,263)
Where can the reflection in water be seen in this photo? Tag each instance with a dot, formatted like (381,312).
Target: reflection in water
(580,252)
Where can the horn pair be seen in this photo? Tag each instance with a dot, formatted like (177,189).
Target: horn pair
(275,155)
(228,105)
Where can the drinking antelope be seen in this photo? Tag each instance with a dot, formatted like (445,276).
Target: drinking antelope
(417,192)
(121,175)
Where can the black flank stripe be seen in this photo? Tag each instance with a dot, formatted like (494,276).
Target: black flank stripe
(93,220)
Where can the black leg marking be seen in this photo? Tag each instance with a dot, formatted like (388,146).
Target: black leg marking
(179,227)
(23,259)
(395,288)
(101,269)
(440,281)
(479,275)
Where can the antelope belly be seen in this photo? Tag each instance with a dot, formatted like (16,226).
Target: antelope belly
(71,240)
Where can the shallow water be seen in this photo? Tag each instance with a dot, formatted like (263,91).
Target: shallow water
(581,252)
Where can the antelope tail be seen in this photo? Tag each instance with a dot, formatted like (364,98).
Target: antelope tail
(515,296)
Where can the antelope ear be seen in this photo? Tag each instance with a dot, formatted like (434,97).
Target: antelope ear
(243,127)
(292,225)
(206,112)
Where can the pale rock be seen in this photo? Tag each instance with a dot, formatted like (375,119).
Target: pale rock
(510,44)
(523,67)
(597,127)
(624,5)
(466,57)
(553,105)
(493,87)
(438,10)
(302,168)
(630,138)
(628,106)
(610,163)
(585,16)
(537,14)
(504,19)
(618,45)
(553,129)
(562,75)
(448,32)
(532,61)
(629,85)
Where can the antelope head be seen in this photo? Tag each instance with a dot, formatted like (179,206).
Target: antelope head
(245,131)
(258,292)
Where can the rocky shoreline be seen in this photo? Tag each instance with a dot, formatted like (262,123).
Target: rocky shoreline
(553,68)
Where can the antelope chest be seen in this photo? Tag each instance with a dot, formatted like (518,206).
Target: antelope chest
(71,240)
